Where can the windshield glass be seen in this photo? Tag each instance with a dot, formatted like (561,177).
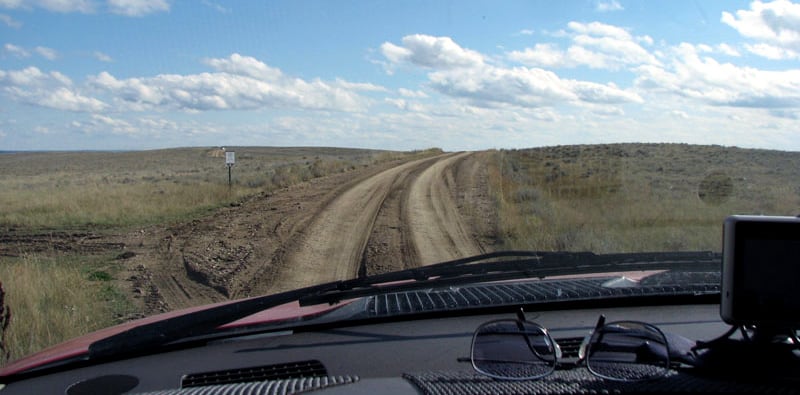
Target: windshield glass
(157,155)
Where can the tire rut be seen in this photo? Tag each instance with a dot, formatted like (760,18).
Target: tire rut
(389,246)
(334,243)
(438,230)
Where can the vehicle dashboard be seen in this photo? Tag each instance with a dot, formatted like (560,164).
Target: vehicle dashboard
(423,355)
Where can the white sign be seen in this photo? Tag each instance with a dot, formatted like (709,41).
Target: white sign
(230,158)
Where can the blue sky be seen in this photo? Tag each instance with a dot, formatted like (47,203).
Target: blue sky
(461,75)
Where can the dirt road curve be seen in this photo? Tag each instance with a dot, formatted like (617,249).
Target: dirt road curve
(371,220)
(335,242)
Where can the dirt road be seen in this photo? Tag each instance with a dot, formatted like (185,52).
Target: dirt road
(335,242)
(370,220)
(439,231)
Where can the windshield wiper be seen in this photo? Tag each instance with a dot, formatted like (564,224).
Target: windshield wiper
(159,333)
(488,267)
(525,264)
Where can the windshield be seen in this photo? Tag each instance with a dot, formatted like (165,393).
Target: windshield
(157,155)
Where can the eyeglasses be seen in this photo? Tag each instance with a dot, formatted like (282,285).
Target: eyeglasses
(522,350)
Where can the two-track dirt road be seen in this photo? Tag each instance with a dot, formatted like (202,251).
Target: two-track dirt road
(383,218)
(335,242)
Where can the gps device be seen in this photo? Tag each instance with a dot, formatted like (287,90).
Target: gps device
(761,271)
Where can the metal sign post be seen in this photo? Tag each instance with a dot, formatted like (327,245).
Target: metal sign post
(230,160)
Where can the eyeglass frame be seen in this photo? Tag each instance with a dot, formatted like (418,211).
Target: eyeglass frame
(582,354)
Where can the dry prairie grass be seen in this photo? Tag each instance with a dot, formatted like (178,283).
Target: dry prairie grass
(636,197)
(118,189)
(52,300)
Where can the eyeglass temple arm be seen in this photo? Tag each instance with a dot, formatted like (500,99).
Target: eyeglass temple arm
(521,314)
(520,320)
(600,322)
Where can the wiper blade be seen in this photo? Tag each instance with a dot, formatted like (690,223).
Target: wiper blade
(525,264)
(148,336)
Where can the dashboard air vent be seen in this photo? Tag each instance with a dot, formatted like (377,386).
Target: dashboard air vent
(312,368)
(570,347)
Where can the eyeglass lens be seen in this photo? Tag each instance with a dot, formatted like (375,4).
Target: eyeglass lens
(513,349)
(628,351)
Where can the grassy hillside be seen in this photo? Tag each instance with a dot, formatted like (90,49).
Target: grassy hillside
(636,197)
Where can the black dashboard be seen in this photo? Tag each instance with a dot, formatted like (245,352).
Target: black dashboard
(429,355)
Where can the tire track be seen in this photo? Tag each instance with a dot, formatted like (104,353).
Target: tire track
(439,232)
(389,247)
(334,243)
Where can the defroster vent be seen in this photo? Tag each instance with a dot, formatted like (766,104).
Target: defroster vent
(312,368)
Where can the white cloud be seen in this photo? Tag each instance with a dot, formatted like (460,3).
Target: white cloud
(16,51)
(405,105)
(776,23)
(612,52)
(216,7)
(10,22)
(117,126)
(411,93)
(20,52)
(492,85)
(600,29)
(133,8)
(647,40)
(680,114)
(772,52)
(47,53)
(725,84)
(541,55)
(84,6)
(462,74)
(65,99)
(137,7)
(607,6)
(595,45)
(431,52)
(240,83)
(359,86)
(520,86)
(51,90)
(246,66)
(599,93)
(102,57)
(727,50)
(525,32)
(138,126)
